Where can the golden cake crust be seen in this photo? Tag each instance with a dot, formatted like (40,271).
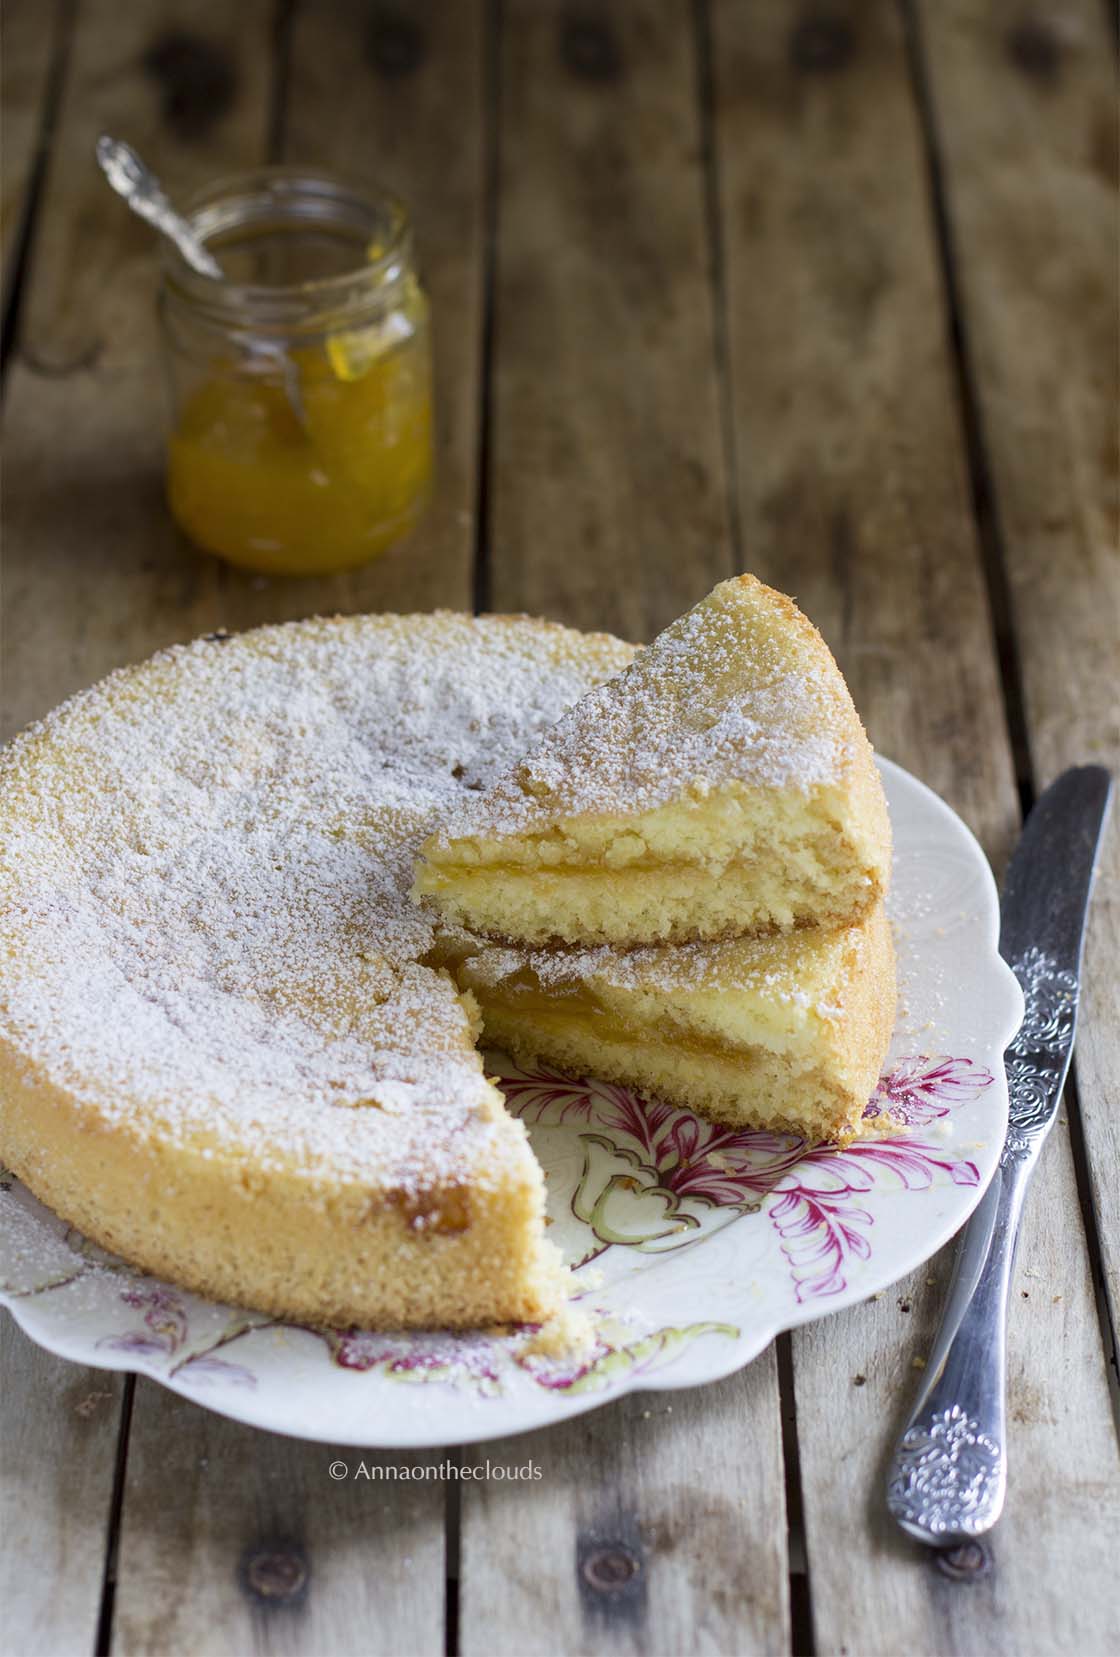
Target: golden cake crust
(336,1254)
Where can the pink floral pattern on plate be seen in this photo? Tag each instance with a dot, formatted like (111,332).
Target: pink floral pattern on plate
(477,1361)
(669,1162)
(163,1332)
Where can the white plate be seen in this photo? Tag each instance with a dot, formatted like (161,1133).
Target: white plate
(696,1245)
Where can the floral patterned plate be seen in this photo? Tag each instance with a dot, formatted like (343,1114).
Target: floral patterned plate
(693,1245)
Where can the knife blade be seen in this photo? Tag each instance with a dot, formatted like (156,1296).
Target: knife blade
(948,1477)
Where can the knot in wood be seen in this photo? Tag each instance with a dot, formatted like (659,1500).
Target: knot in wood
(396,45)
(608,1570)
(197,80)
(967,1562)
(590,49)
(821,43)
(276,1573)
(1033,48)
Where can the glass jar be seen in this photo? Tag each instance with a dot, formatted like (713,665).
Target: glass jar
(300,382)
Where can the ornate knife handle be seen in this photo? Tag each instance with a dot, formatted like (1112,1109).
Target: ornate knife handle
(949,1474)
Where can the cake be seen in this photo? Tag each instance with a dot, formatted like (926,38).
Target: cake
(783,1031)
(721,784)
(222,1054)
(234,1051)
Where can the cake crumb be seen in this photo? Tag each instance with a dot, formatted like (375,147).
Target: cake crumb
(567,1334)
(86,1407)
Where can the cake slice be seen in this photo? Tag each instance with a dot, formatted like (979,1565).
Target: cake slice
(719,785)
(786,1032)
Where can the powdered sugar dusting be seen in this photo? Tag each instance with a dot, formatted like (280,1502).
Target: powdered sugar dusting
(204,875)
(740,689)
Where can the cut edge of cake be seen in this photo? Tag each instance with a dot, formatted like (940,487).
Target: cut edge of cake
(784,1033)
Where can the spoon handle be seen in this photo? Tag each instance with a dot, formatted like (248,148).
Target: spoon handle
(141,189)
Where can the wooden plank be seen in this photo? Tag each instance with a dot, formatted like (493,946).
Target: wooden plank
(852,481)
(28,46)
(1025,110)
(853,494)
(96,574)
(656,1526)
(608,508)
(82,573)
(607,487)
(55,1495)
(238,1541)
(374,1553)
(396,98)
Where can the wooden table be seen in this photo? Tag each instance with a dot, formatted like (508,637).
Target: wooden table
(825,291)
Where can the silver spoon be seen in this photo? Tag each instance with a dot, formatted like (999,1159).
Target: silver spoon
(135,182)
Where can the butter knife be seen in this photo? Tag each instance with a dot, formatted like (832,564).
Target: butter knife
(948,1477)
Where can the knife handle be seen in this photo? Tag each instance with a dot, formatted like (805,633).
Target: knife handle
(948,1475)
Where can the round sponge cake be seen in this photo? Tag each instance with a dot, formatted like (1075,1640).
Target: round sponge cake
(235,1051)
(222,1054)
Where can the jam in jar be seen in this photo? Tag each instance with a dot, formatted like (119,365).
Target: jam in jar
(300,382)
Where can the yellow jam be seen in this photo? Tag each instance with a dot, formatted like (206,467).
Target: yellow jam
(318,481)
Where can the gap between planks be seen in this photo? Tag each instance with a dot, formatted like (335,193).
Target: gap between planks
(17,256)
(491,174)
(104,1638)
(709,163)
(985,505)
